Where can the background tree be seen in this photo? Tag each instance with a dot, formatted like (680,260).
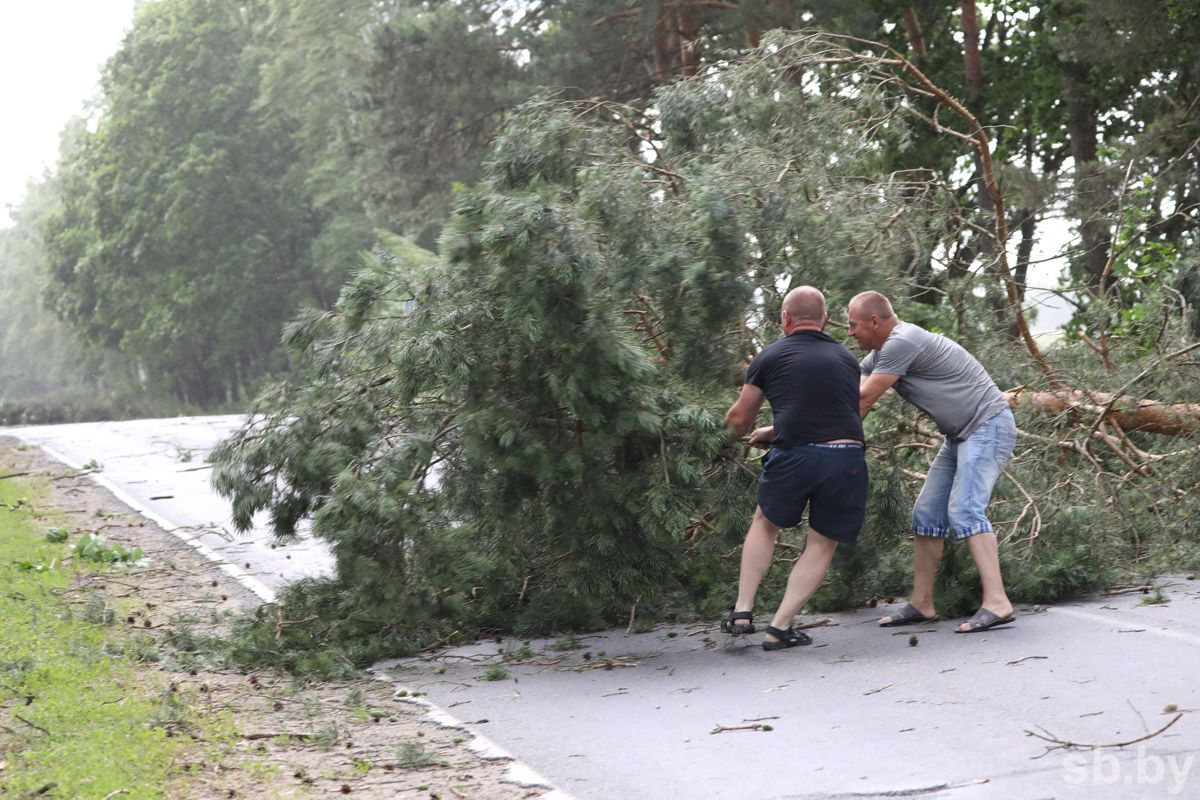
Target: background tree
(310,126)
(184,233)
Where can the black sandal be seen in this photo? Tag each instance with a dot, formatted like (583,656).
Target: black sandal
(789,638)
(728,624)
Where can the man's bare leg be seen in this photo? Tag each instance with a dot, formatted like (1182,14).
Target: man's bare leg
(927,552)
(986,552)
(806,575)
(757,552)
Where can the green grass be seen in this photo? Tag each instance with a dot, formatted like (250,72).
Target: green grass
(75,718)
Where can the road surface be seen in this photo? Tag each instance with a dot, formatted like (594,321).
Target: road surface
(158,467)
(685,711)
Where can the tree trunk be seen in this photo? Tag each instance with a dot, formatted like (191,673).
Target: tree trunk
(672,43)
(972,60)
(1128,413)
(777,14)
(916,38)
(1090,193)
(1028,227)
(973,71)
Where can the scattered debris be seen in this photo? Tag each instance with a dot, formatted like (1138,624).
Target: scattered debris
(605,663)
(1026,658)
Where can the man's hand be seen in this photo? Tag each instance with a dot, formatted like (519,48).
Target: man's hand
(762,437)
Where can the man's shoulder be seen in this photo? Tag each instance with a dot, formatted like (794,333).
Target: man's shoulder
(910,330)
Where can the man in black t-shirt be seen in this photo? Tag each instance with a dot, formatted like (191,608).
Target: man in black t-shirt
(816,460)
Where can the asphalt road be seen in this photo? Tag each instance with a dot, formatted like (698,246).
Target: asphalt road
(864,712)
(158,467)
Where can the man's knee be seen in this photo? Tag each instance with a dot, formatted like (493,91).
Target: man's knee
(760,521)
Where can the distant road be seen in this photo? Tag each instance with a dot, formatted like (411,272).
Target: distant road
(159,468)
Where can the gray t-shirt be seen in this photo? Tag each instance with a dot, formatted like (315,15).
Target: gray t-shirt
(939,377)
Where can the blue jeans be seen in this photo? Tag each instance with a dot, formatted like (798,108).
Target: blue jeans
(958,486)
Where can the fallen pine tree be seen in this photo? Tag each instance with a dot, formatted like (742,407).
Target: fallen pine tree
(1123,412)
(523,432)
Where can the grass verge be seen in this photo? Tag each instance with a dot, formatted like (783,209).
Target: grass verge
(116,680)
(77,716)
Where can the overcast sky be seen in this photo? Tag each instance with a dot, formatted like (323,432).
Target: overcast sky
(50,57)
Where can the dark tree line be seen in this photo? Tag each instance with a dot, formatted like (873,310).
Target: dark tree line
(244,153)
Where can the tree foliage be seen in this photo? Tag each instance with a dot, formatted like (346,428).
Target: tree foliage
(522,432)
(536,444)
(183,236)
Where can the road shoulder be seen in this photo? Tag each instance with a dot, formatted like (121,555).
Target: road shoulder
(286,739)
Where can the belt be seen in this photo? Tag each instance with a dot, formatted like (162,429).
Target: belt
(838,446)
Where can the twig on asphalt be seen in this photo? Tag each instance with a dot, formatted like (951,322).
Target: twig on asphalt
(1065,744)
(757,726)
(1026,658)
(821,623)
(606,663)
(1145,727)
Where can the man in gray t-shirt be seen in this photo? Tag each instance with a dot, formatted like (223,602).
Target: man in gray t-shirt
(939,377)
(946,382)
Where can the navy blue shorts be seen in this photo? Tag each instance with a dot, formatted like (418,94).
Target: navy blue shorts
(830,480)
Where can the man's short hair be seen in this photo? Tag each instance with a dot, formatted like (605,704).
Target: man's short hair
(872,303)
(805,304)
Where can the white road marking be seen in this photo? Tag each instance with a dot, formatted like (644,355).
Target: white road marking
(260,589)
(517,773)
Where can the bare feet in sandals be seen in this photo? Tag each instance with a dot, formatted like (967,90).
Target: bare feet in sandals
(984,620)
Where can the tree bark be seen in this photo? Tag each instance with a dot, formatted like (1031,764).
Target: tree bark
(912,29)
(1128,413)
(973,72)
(777,14)
(672,43)
(972,60)
(1090,194)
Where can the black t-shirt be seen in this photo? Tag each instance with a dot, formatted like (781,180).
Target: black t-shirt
(811,381)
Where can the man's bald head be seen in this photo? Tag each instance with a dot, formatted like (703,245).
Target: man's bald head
(871,320)
(805,305)
(868,303)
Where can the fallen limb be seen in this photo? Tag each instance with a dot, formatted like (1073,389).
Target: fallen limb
(1065,744)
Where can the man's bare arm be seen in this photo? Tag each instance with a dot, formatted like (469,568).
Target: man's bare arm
(744,411)
(871,388)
